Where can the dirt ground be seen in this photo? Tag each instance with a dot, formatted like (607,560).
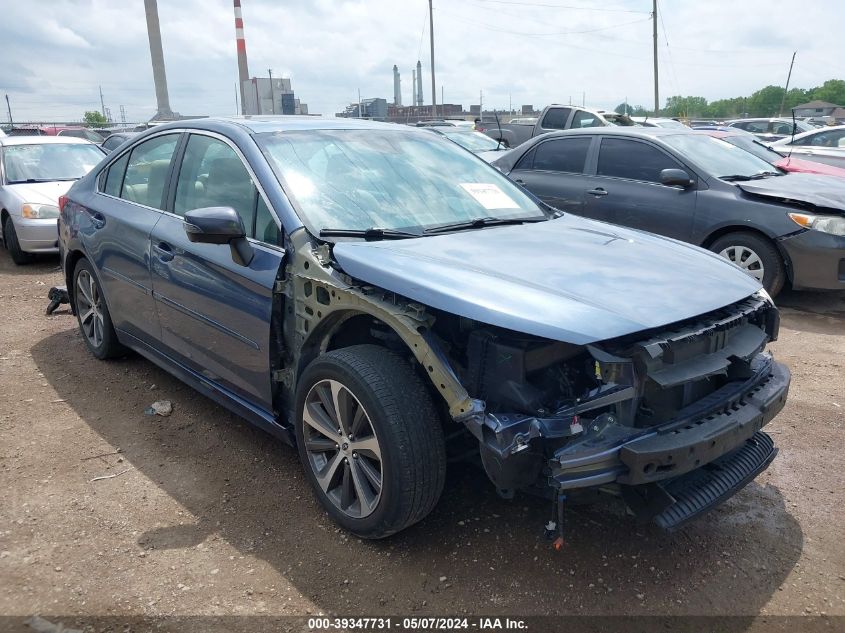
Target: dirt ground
(209,516)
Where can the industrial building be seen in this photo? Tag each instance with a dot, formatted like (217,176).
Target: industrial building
(261,95)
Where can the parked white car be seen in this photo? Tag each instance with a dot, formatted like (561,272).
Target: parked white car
(822,145)
(34,172)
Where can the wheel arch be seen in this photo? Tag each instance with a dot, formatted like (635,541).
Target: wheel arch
(70,263)
(754,230)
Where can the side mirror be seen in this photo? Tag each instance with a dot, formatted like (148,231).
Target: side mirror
(675,178)
(219,225)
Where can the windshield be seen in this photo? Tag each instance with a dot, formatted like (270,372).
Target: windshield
(750,144)
(47,162)
(715,156)
(358,179)
(473,141)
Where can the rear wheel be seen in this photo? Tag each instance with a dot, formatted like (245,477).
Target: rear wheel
(756,255)
(370,440)
(92,314)
(10,238)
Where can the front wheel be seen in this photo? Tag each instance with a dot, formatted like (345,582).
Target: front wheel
(370,440)
(10,238)
(756,255)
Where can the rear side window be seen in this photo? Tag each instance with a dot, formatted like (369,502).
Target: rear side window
(585,119)
(114,176)
(146,172)
(623,158)
(565,154)
(556,119)
(112,142)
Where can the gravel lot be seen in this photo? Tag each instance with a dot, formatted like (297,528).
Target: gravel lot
(209,516)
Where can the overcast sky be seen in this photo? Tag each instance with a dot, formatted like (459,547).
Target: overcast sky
(55,53)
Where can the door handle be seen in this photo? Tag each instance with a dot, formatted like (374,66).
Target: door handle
(598,191)
(164,251)
(519,181)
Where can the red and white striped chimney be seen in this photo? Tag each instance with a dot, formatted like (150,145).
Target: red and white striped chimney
(243,69)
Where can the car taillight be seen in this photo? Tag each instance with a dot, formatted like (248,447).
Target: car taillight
(62,202)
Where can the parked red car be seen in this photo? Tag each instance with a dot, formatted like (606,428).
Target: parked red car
(751,144)
(58,130)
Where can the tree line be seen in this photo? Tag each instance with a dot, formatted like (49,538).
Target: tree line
(765,102)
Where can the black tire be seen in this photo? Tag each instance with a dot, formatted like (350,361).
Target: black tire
(10,239)
(106,344)
(774,269)
(406,426)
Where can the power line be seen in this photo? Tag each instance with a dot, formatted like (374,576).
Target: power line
(560,6)
(490,27)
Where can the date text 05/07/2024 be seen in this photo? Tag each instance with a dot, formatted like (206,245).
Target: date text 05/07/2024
(415,624)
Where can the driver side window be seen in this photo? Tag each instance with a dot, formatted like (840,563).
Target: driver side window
(213,175)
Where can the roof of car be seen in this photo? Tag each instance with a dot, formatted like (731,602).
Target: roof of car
(284,123)
(618,130)
(43,140)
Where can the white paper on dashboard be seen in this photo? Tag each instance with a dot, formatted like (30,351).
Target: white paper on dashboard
(489,196)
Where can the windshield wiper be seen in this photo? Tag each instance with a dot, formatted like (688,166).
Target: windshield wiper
(372,233)
(746,177)
(479,223)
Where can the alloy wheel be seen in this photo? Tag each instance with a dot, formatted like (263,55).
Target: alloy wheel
(343,451)
(89,305)
(746,259)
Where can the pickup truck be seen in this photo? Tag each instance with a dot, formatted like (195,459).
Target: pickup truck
(554,117)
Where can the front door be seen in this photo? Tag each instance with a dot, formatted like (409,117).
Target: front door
(215,314)
(626,189)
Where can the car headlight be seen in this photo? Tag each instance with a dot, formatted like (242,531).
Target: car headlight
(39,211)
(832,224)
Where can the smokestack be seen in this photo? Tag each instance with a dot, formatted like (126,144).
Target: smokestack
(243,69)
(397,87)
(413,87)
(419,84)
(157,55)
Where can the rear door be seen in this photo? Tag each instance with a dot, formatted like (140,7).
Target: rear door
(215,313)
(626,189)
(117,231)
(553,171)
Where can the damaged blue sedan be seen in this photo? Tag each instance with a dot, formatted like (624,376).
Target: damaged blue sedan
(386,301)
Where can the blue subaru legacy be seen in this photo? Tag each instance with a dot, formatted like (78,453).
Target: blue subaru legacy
(385,300)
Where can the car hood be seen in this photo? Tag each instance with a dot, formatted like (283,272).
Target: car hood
(818,190)
(40,192)
(569,279)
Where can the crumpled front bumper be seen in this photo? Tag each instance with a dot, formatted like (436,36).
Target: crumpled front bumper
(616,456)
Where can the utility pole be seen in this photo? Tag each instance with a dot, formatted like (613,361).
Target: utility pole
(510,104)
(584,99)
(102,104)
(272,94)
(433,87)
(785,90)
(360,112)
(654,33)
(9,108)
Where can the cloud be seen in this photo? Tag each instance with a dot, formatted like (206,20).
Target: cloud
(57,53)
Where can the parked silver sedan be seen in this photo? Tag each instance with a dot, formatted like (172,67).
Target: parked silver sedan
(822,145)
(34,172)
